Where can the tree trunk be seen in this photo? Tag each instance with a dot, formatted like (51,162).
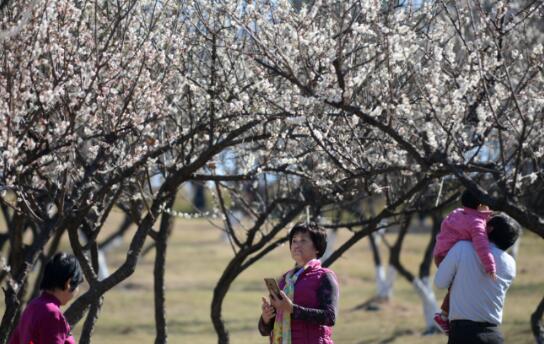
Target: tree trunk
(90,321)
(16,247)
(375,250)
(12,298)
(14,290)
(536,323)
(4,237)
(425,266)
(389,283)
(421,286)
(381,285)
(167,223)
(394,258)
(385,280)
(236,266)
(219,293)
(424,285)
(425,291)
(217,320)
(96,305)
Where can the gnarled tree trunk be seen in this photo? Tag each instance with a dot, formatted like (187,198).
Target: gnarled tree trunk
(161,242)
(536,323)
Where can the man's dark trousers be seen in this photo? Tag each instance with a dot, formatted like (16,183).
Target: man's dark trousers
(472,332)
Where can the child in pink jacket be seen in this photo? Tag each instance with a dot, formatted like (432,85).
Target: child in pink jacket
(467,223)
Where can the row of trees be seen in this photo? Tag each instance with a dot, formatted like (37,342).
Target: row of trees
(286,110)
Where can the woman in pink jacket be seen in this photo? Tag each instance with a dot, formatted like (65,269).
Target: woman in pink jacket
(307,309)
(467,223)
(42,321)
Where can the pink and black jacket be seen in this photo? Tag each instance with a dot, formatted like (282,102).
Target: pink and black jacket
(315,306)
(42,322)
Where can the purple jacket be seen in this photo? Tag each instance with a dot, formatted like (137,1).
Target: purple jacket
(466,224)
(315,305)
(42,322)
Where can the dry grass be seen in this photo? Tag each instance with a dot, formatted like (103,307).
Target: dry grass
(197,256)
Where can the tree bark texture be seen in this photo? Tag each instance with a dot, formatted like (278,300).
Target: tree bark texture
(90,321)
(375,250)
(95,307)
(425,266)
(166,225)
(15,288)
(536,323)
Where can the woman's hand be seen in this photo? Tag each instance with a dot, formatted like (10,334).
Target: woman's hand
(268,312)
(284,305)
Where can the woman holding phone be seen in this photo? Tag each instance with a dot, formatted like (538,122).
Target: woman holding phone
(306,307)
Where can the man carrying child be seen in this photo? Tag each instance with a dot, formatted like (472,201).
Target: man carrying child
(476,301)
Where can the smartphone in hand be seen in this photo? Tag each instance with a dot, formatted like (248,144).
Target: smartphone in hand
(273,287)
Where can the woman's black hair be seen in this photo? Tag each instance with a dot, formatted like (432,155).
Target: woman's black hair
(317,234)
(60,268)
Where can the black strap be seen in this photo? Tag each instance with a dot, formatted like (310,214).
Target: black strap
(472,323)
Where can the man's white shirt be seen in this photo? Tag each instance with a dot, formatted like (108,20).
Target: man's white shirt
(474,295)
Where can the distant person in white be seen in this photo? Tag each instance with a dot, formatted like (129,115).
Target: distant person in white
(476,301)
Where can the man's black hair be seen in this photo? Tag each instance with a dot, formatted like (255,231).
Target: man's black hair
(60,268)
(503,231)
(469,200)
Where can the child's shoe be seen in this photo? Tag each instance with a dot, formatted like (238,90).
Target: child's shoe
(442,323)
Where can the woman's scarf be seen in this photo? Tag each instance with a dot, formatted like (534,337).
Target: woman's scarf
(282,324)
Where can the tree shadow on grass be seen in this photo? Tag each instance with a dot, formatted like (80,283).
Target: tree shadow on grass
(375,304)
(396,335)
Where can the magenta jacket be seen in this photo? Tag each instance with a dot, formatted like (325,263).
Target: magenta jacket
(465,224)
(42,322)
(315,306)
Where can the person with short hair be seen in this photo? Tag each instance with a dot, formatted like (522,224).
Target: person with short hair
(476,301)
(42,322)
(308,306)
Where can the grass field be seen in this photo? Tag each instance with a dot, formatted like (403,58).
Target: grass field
(197,255)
